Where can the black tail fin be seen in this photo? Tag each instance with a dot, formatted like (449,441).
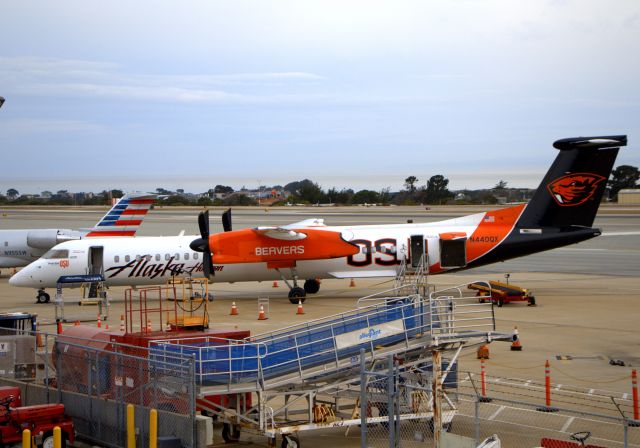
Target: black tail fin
(570,193)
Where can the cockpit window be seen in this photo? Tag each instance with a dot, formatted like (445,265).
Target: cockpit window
(55,254)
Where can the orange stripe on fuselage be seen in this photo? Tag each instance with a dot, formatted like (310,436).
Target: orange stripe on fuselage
(492,230)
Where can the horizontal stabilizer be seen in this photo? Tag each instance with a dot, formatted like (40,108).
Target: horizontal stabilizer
(610,141)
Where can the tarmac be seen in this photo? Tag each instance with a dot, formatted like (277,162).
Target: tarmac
(587,295)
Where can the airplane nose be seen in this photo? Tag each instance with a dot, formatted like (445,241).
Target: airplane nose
(20,278)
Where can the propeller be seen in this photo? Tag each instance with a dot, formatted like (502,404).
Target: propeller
(202,244)
(226,220)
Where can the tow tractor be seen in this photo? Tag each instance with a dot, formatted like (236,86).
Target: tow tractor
(39,419)
(501,293)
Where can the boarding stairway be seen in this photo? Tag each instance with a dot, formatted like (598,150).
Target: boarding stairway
(327,350)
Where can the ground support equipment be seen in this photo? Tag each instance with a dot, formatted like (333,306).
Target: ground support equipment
(502,293)
(308,376)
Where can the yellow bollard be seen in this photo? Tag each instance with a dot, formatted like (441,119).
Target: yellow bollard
(26,439)
(131,428)
(57,437)
(153,428)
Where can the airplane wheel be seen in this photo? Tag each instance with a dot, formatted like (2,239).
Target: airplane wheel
(312,286)
(230,433)
(43,297)
(296,294)
(290,441)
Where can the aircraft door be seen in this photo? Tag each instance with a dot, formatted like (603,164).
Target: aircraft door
(96,264)
(418,249)
(453,250)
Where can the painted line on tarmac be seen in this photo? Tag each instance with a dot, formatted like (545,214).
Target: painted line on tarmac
(495,414)
(567,424)
(619,233)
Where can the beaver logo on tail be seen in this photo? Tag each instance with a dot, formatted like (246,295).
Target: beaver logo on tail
(574,189)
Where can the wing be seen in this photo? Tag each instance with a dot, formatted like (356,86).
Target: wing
(280,233)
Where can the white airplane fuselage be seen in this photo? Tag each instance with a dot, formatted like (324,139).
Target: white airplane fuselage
(143,261)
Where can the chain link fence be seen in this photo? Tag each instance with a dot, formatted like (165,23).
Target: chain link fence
(514,409)
(95,381)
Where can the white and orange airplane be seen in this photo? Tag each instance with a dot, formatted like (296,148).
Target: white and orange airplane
(560,213)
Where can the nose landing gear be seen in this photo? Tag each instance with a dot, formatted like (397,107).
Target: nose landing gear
(42,296)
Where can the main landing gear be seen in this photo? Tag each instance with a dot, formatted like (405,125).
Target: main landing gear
(42,296)
(296,293)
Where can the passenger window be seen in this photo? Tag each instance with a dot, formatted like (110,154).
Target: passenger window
(116,259)
(186,256)
(138,257)
(177,257)
(167,257)
(127,258)
(195,256)
(6,243)
(157,257)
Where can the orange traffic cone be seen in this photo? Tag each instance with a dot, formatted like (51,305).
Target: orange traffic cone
(352,284)
(148,325)
(76,323)
(300,309)
(515,345)
(275,284)
(262,316)
(59,326)
(122,328)
(234,309)
(39,343)
(99,321)
(106,326)
(483,352)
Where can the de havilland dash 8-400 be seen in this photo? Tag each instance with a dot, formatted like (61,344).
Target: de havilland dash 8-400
(560,213)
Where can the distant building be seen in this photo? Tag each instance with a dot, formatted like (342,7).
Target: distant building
(629,197)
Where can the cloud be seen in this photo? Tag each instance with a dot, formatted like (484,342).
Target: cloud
(30,126)
(71,77)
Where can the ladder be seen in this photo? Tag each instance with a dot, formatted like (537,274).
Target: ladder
(410,280)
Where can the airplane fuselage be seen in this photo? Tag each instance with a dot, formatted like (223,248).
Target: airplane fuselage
(143,261)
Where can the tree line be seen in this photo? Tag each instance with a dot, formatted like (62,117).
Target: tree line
(434,191)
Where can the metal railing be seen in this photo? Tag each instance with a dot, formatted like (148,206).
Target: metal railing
(326,346)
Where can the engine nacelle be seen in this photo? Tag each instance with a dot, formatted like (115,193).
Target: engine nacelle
(45,239)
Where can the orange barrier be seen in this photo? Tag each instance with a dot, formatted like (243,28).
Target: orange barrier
(634,386)
(234,309)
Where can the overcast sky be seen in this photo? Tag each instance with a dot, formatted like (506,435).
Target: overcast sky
(189,94)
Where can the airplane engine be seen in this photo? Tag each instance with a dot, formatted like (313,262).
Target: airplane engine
(45,239)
